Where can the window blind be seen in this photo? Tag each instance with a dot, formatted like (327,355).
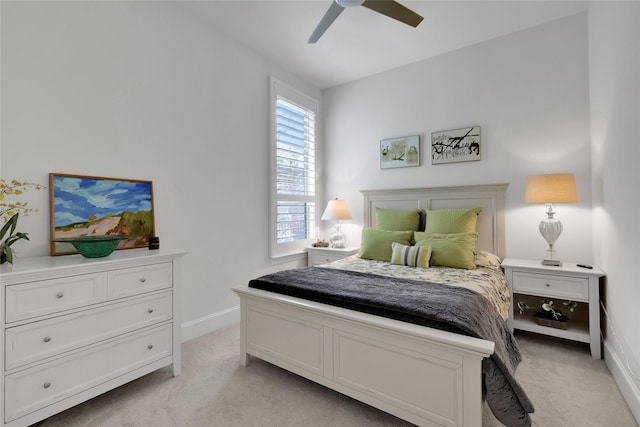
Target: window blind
(295,172)
(294,118)
(295,153)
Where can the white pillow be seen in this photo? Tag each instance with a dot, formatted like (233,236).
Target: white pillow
(487,260)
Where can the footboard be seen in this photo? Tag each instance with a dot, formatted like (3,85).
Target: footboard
(423,375)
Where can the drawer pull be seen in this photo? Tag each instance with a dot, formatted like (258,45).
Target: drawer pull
(150,310)
(46,385)
(547,285)
(150,346)
(59,295)
(46,339)
(142,279)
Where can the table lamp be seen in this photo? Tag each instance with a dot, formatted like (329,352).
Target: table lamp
(551,189)
(337,210)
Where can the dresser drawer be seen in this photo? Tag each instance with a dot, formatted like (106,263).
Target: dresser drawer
(32,389)
(133,281)
(38,340)
(549,285)
(28,300)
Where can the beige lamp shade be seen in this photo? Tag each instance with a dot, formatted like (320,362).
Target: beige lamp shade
(553,188)
(336,210)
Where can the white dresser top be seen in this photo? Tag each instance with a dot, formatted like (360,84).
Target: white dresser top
(77,263)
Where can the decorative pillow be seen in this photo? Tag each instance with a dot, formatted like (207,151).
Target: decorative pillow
(376,244)
(450,250)
(413,256)
(487,260)
(452,220)
(397,220)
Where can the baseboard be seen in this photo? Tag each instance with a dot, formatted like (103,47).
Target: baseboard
(623,380)
(212,322)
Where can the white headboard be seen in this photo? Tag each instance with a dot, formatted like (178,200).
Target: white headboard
(488,197)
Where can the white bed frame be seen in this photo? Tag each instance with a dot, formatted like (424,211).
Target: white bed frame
(422,375)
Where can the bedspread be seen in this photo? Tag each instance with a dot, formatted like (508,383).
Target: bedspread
(489,282)
(449,308)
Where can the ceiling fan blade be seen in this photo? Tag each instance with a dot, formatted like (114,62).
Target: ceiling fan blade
(394,10)
(334,10)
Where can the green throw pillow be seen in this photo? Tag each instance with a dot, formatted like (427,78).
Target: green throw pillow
(397,220)
(452,220)
(412,256)
(450,250)
(376,244)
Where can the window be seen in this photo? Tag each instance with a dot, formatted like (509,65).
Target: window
(294,197)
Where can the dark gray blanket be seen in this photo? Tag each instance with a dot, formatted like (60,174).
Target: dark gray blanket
(449,308)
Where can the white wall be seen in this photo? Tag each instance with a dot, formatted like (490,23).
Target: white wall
(528,91)
(144,90)
(614,66)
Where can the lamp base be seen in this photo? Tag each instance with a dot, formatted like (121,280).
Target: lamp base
(550,228)
(338,240)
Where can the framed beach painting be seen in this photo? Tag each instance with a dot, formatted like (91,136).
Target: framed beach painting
(457,145)
(400,152)
(94,206)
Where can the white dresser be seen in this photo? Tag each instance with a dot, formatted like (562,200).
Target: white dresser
(74,327)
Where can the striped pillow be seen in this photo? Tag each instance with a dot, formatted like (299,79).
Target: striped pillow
(413,256)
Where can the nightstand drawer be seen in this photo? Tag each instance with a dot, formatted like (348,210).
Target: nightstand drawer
(324,258)
(547,285)
(319,256)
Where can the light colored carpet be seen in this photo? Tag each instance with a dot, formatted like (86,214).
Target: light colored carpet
(567,386)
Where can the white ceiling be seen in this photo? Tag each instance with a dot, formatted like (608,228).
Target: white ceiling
(362,42)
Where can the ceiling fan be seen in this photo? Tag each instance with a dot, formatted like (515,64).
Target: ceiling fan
(389,8)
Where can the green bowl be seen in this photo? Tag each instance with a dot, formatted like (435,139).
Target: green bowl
(94,246)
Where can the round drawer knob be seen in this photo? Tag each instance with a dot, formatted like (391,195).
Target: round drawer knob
(59,295)
(547,285)
(46,339)
(46,385)
(150,346)
(142,279)
(150,311)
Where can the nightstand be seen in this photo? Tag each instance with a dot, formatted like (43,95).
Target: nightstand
(532,282)
(325,255)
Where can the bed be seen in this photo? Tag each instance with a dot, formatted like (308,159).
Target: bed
(420,371)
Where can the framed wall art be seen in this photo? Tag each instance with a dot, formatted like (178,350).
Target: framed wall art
(93,206)
(400,152)
(457,145)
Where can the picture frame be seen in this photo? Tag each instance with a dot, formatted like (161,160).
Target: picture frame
(400,152)
(456,145)
(82,205)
